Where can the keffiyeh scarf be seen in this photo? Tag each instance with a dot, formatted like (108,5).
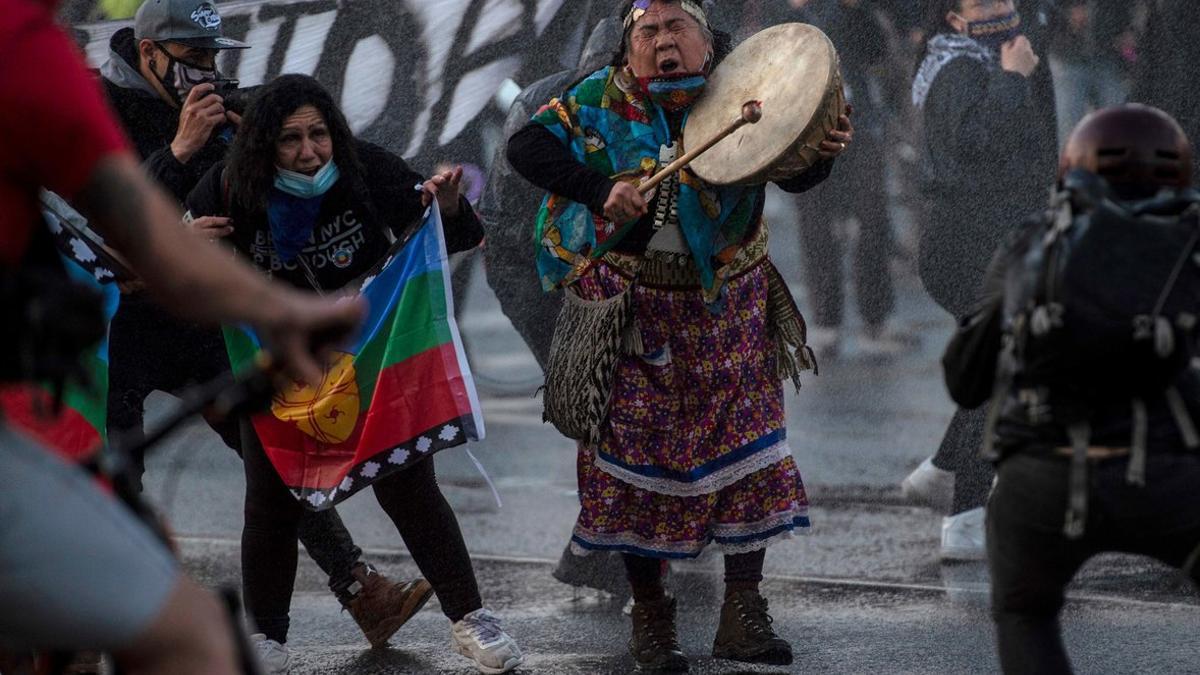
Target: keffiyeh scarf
(944,48)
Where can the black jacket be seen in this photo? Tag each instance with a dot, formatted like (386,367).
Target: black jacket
(1168,55)
(353,230)
(990,159)
(1108,19)
(151,123)
(990,139)
(970,369)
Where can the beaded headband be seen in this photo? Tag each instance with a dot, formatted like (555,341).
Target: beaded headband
(639,8)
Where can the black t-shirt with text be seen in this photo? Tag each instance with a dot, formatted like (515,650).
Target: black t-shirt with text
(355,225)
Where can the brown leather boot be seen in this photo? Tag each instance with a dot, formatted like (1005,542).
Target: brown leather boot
(654,645)
(381,606)
(745,633)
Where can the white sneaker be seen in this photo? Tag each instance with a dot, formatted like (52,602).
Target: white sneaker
(273,657)
(929,486)
(825,341)
(886,340)
(963,536)
(478,637)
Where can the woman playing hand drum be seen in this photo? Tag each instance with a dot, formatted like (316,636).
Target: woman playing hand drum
(692,446)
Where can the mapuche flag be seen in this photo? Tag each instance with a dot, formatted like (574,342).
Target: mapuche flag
(78,429)
(399,393)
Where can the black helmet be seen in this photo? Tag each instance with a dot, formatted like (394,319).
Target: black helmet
(1137,149)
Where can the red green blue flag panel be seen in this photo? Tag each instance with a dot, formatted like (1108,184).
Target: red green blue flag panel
(400,392)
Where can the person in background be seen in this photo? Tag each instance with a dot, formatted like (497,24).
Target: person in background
(81,571)
(1091,457)
(857,191)
(161,78)
(318,209)
(1167,57)
(990,151)
(508,208)
(1092,50)
(692,448)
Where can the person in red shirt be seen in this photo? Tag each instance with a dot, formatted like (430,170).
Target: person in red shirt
(79,571)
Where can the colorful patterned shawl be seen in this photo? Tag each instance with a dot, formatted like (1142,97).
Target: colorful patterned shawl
(610,126)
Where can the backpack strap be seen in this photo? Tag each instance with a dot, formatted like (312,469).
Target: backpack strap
(1080,434)
(1182,419)
(226,193)
(1191,566)
(1135,474)
(1005,375)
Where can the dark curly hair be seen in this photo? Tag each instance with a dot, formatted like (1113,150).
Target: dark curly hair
(251,164)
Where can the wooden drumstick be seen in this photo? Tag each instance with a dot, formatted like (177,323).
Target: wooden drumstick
(751,114)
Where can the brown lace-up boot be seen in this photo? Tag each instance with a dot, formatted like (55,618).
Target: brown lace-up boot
(745,633)
(381,606)
(654,644)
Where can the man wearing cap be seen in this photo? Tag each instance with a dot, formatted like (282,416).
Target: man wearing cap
(161,78)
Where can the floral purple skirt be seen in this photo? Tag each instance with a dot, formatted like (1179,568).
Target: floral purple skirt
(695,449)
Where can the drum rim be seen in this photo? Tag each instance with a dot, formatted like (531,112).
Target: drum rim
(764,172)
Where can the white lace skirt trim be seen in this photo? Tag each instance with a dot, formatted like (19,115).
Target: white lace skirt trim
(713,482)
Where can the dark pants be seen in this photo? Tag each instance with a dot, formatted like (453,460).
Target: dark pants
(411,498)
(855,189)
(1032,561)
(151,351)
(647,573)
(955,250)
(959,452)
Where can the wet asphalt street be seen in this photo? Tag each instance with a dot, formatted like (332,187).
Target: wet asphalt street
(862,592)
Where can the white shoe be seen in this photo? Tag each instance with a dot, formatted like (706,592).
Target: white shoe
(963,536)
(478,637)
(825,341)
(273,657)
(885,340)
(929,486)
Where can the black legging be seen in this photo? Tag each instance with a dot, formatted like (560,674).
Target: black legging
(645,574)
(956,247)
(411,498)
(959,452)
(149,351)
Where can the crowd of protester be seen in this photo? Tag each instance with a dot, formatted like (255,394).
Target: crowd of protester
(959,112)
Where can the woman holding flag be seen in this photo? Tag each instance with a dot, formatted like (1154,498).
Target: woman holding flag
(311,205)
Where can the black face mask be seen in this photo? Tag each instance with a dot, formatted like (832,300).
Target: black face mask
(995,32)
(181,76)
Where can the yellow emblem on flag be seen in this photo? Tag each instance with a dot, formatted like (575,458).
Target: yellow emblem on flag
(329,412)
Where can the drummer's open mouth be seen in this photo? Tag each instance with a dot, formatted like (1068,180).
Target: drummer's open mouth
(668,66)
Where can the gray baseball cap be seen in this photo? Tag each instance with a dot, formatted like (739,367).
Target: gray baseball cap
(195,23)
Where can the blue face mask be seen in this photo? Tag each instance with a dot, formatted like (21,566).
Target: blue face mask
(307,187)
(674,92)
